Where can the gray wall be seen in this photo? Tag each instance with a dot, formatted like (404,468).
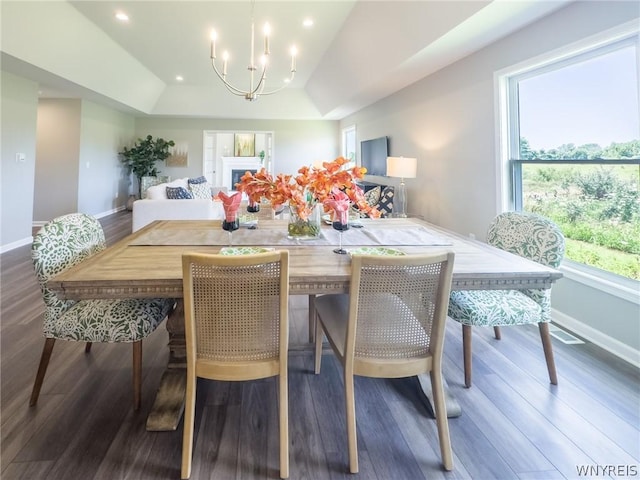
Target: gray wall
(57,158)
(59,137)
(77,166)
(103,184)
(19,111)
(295,142)
(448,121)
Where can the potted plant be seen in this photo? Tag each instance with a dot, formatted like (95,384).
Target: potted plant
(142,157)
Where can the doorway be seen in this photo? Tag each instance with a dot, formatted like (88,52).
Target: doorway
(221,158)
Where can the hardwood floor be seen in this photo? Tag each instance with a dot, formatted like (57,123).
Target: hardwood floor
(514,423)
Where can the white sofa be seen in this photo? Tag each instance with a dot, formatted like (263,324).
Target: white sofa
(158,207)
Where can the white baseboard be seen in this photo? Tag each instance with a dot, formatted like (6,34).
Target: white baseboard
(610,344)
(109,212)
(16,244)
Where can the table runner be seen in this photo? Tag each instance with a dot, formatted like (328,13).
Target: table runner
(400,235)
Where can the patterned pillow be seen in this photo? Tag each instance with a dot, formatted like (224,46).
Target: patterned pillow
(200,179)
(200,190)
(385,205)
(178,193)
(372,196)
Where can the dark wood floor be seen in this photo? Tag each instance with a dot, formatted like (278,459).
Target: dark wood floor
(514,423)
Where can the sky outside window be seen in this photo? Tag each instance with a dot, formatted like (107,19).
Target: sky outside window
(595,101)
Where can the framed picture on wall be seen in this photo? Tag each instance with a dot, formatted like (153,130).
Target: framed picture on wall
(244,145)
(178,155)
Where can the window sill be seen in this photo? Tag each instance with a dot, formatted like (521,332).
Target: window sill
(616,285)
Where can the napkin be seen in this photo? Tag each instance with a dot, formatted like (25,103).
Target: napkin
(340,204)
(230,204)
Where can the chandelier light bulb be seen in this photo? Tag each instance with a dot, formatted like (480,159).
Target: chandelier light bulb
(225,59)
(214,37)
(267,32)
(294,52)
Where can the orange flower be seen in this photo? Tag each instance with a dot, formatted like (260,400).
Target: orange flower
(311,186)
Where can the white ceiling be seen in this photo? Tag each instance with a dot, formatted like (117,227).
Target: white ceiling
(357,52)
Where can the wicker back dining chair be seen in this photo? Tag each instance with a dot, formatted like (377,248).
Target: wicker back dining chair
(236,328)
(390,325)
(60,244)
(528,235)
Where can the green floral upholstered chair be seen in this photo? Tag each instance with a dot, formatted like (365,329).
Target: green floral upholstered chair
(63,243)
(530,236)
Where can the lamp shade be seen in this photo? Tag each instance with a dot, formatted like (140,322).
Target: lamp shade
(403,167)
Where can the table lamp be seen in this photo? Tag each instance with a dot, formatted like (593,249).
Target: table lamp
(402,167)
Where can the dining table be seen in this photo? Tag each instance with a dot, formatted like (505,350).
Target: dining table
(148,264)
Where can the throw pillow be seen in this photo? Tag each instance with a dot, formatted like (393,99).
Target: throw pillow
(372,196)
(178,193)
(197,180)
(385,205)
(157,192)
(200,190)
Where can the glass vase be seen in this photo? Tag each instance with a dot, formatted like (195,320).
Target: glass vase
(304,229)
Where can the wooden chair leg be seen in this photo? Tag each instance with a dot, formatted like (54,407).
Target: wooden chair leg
(318,338)
(312,318)
(137,374)
(466,353)
(284,423)
(87,347)
(548,351)
(442,422)
(42,369)
(189,417)
(496,332)
(352,435)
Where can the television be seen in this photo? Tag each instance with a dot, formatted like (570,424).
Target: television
(373,155)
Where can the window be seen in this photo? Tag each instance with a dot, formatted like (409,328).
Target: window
(349,143)
(572,149)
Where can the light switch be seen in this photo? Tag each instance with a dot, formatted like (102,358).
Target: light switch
(21,158)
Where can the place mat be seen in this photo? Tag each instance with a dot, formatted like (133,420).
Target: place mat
(217,236)
(382,251)
(244,250)
(400,235)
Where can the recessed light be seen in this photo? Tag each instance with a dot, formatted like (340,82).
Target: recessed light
(179,78)
(123,17)
(307,22)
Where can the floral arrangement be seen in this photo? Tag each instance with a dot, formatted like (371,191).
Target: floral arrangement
(310,187)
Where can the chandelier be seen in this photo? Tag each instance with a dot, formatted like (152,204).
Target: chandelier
(256,86)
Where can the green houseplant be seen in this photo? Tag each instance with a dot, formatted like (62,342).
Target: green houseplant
(142,157)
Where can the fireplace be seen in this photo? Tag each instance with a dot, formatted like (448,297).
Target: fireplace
(233,168)
(237,173)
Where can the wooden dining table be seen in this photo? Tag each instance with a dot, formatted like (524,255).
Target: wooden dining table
(147,264)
